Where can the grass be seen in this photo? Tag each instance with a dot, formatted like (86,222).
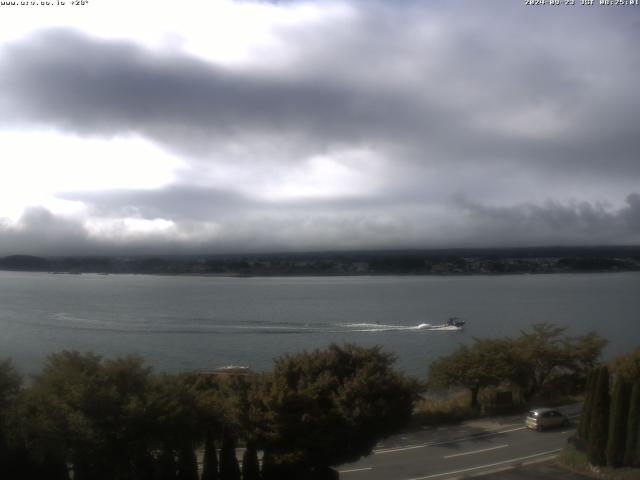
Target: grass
(575,460)
(454,407)
(437,411)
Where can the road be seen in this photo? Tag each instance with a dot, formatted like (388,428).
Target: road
(465,450)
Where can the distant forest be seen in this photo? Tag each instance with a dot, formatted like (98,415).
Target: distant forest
(406,262)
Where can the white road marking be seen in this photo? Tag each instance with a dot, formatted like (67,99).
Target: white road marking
(512,460)
(476,451)
(492,471)
(445,442)
(355,470)
(538,460)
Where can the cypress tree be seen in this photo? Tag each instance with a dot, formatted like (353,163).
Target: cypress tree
(617,423)
(187,464)
(54,467)
(585,417)
(268,468)
(167,465)
(229,468)
(145,467)
(632,447)
(250,465)
(210,460)
(598,427)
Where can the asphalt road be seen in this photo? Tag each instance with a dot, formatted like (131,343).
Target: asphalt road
(469,449)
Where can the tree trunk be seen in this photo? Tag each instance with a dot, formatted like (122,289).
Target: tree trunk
(474,397)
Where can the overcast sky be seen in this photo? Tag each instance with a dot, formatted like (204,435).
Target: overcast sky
(236,126)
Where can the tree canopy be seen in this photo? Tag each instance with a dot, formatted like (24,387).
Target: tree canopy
(486,362)
(627,366)
(332,406)
(114,419)
(528,362)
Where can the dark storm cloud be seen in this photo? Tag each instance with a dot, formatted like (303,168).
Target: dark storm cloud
(40,232)
(551,222)
(178,202)
(92,87)
(492,91)
(194,204)
(488,101)
(245,226)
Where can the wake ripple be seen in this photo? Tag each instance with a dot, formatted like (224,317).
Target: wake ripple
(169,325)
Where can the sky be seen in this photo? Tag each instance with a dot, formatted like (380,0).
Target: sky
(219,126)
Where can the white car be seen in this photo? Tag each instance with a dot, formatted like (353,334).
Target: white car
(541,418)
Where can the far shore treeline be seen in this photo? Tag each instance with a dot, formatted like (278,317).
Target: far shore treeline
(405,262)
(88,417)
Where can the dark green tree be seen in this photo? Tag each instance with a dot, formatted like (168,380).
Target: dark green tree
(331,406)
(172,413)
(167,467)
(598,429)
(229,468)
(53,467)
(210,460)
(585,417)
(268,470)
(250,465)
(618,423)
(10,384)
(545,353)
(145,467)
(93,411)
(627,366)
(632,445)
(187,463)
(487,362)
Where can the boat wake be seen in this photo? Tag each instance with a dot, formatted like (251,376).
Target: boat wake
(170,325)
(376,327)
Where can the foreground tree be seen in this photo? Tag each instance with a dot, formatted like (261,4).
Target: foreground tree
(331,406)
(10,384)
(545,353)
(487,362)
(530,362)
(598,429)
(632,444)
(229,468)
(627,366)
(585,417)
(92,412)
(187,463)
(210,460)
(250,464)
(617,424)
(172,414)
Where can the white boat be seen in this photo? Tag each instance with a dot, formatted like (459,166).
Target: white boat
(453,324)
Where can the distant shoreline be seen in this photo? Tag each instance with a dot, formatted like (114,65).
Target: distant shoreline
(325,275)
(454,262)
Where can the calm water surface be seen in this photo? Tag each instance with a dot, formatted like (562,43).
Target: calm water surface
(190,323)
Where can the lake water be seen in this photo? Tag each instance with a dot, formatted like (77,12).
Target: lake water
(191,323)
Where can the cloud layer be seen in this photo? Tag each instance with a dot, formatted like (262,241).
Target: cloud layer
(358,133)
